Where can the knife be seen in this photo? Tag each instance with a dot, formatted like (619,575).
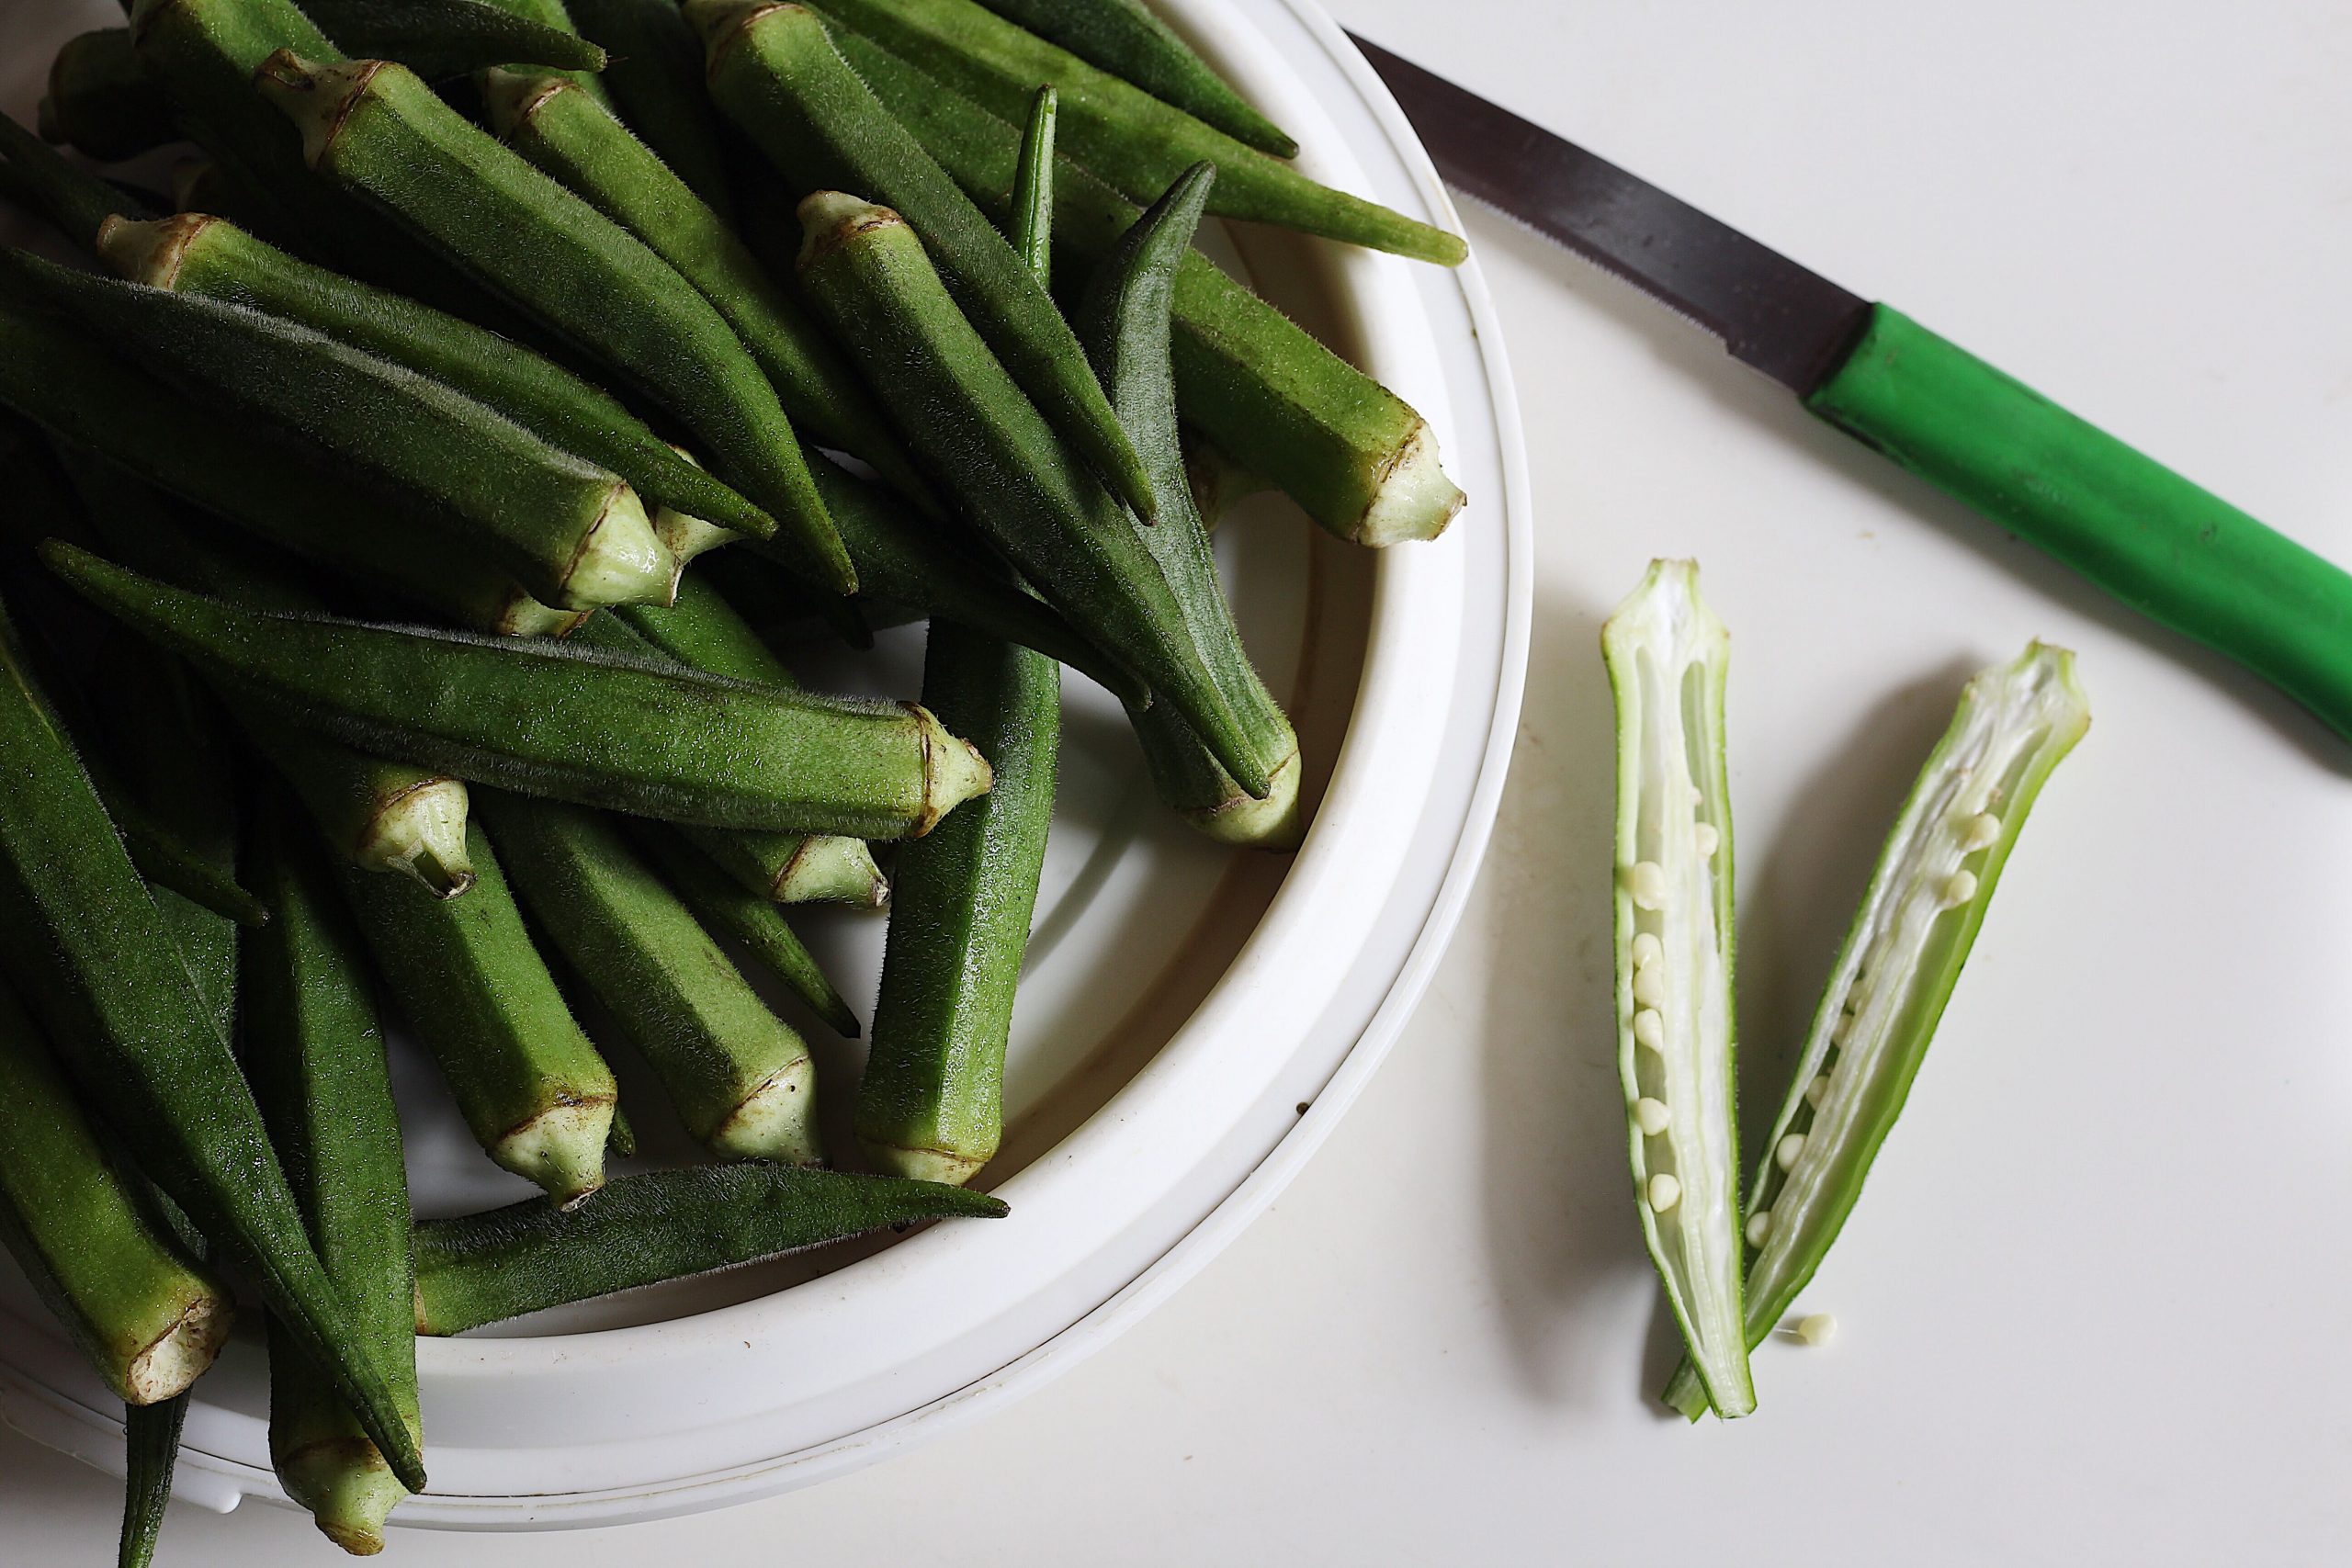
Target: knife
(2173,552)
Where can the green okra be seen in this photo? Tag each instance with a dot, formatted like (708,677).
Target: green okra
(102,102)
(866,271)
(537,1096)
(86,943)
(148,1316)
(741,1079)
(579,144)
(1353,454)
(1032,189)
(378,132)
(151,1438)
(76,201)
(728,907)
(574,533)
(441,38)
(556,16)
(203,188)
(1926,900)
(1132,139)
(655,78)
(196,253)
(314,1053)
(931,1101)
(1668,655)
(1123,37)
(775,71)
(1124,320)
(649,737)
(663,1226)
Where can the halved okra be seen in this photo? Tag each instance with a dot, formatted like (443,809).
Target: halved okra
(1122,133)
(101,100)
(661,1226)
(655,79)
(441,38)
(1926,900)
(1667,655)
(379,133)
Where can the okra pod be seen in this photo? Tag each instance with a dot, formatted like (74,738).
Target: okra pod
(535,1092)
(599,728)
(740,1078)
(931,1101)
(151,1444)
(1124,320)
(556,16)
(1033,190)
(1123,37)
(1352,453)
(655,79)
(87,943)
(76,201)
(1137,144)
(314,1053)
(663,1226)
(1901,958)
(578,143)
(378,132)
(1667,655)
(101,101)
(866,271)
(148,1316)
(442,38)
(775,71)
(574,533)
(726,906)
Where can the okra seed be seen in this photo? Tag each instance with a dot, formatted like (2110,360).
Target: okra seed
(1647,949)
(1759,1226)
(1650,1116)
(1817,1090)
(1708,839)
(1786,1151)
(1647,884)
(1979,832)
(1649,1029)
(1959,888)
(1665,1192)
(1817,1329)
(1649,983)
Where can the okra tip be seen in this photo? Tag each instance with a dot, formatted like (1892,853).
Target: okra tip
(774,1121)
(622,559)
(1274,823)
(946,1167)
(1412,498)
(561,1148)
(347,1488)
(422,833)
(953,771)
(833,870)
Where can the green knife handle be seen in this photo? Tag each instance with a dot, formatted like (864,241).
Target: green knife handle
(2173,552)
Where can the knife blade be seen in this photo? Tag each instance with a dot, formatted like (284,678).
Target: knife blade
(2173,551)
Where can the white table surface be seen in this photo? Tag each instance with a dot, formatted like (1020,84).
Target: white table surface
(2090,1303)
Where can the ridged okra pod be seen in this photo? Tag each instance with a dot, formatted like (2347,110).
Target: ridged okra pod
(1032,189)
(579,144)
(76,201)
(537,1096)
(441,38)
(314,1052)
(726,906)
(555,14)
(1667,655)
(1123,37)
(85,941)
(379,133)
(196,253)
(655,79)
(101,101)
(649,737)
(1134,141)
(1353,454)
(150,1445)
(1125,321)
(776,72)
(867,272)
(1902,956)
(148,1316)
(663,1226)
(741,1079)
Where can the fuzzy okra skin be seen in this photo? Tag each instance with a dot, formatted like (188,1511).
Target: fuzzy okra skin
(149,1317)
(538,1097)
(1124,39)
(725,905)
(775,71)
(556,15)
(1926,898)
(198,254)
(665,1224)
(1125,321)
(1667,655)
(314,1053)
(655,79)
(741,1079)
(151,1442)
(579,144)
(378,132)
(1355,457)
(102,102)
(652,739)
(85,942)
(1032,189)
(867,272)
(441,38)
(1132,139)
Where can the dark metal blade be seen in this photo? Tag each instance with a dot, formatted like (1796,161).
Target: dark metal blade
(1794,325)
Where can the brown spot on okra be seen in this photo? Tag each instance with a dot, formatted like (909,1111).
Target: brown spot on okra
(833,218)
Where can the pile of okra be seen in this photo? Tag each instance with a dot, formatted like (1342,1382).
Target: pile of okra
(408,512)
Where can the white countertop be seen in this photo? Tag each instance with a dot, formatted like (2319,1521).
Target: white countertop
(2090,1301)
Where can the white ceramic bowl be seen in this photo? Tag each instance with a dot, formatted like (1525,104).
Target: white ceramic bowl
(1192,1024)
